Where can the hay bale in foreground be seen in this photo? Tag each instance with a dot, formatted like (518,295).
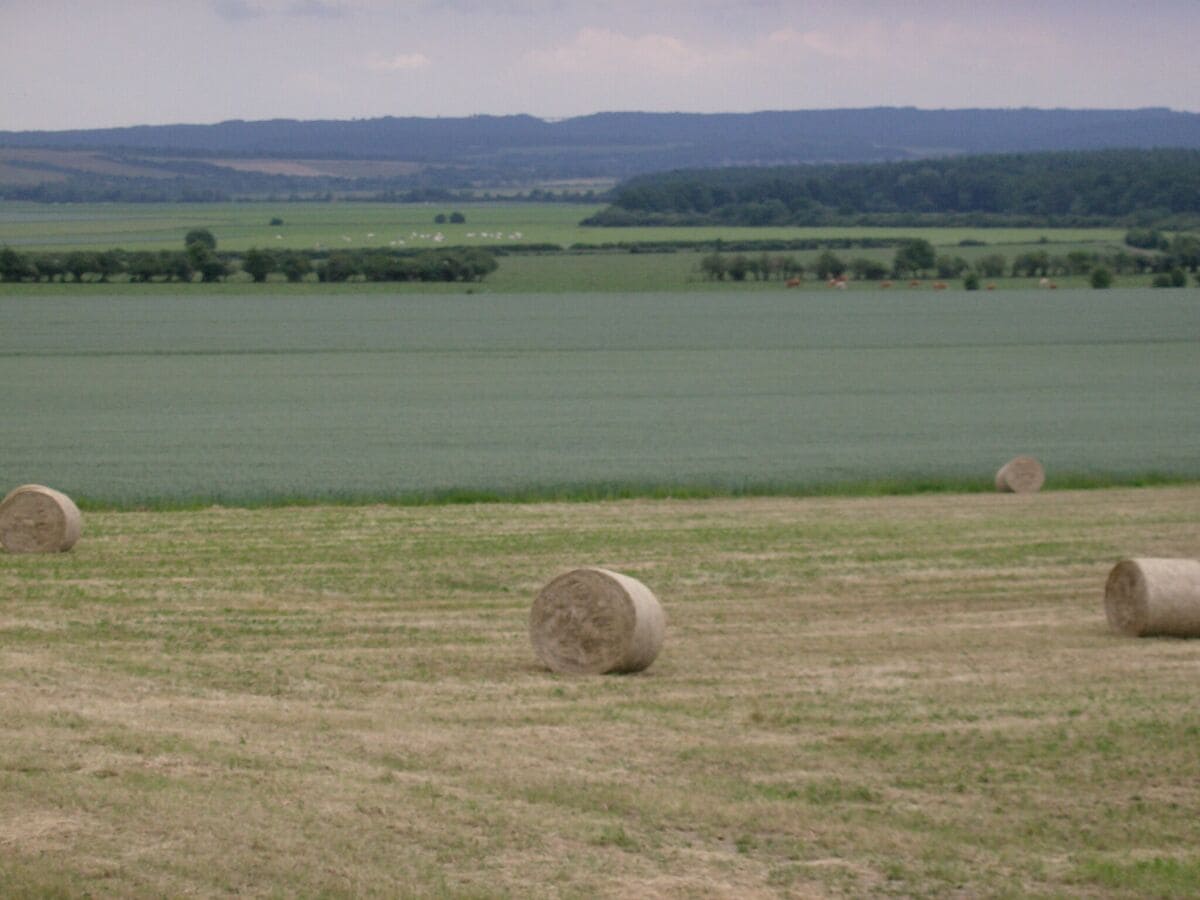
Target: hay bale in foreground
(1154,597)
(593,621)
(1021,475)
(38,519)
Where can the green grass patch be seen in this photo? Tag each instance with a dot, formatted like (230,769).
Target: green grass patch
(1157,877)
(612,491)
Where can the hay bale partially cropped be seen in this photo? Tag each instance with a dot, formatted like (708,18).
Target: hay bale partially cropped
(38,519)
(592,621)
(1021,475)
(1154,597)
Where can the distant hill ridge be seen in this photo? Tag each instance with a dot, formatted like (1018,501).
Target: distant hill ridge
(799,136)
(424,158)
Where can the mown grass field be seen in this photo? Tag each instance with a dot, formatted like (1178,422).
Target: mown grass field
(239,226)
(913,696)
(246,398)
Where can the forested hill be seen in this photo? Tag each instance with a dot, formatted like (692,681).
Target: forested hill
(411,158)
(680,138)
(695,138)
(1104,186)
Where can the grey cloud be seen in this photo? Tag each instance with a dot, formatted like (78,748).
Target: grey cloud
(235,10)
(323,9)
(513,8)
(242,10)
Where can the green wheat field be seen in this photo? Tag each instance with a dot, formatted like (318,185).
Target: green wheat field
(126,399)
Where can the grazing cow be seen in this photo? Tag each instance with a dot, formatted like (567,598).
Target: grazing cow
(793,282)
(885,284)
(940,285)
(1044,282)
(916,282)
(991,286)
(1053,286)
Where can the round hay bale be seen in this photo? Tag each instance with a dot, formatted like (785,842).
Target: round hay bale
(1021,475)
(593,621)
(38,519)
(1154,597)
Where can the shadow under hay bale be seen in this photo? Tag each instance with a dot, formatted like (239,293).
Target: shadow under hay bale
(1021,475)
(38,519)
(593,621)
(1145,597)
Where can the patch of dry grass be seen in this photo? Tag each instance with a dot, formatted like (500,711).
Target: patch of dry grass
(912,695)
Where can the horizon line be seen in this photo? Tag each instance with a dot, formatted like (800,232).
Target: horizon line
(552,120)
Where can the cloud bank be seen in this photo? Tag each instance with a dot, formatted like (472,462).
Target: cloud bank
(139,61)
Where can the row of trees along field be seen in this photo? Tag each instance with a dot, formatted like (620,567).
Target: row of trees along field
(200,260)
(918,258)
(1075,188)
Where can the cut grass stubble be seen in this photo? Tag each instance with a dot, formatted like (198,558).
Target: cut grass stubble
(910,695)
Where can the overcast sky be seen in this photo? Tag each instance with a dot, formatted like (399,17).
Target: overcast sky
(76,64)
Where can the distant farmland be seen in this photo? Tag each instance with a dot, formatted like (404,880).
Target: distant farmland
(245,398)
(240,226)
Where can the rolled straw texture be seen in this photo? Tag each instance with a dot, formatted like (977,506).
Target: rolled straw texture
(38,519)
(593,621)
(1021,475)
(1154,597)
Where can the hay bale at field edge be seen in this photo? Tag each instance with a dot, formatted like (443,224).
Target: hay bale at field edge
(1021,475)
(594,621)
(1144,597)
(38,519)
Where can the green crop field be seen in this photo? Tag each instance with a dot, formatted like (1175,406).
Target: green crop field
(239,226)
(251,397)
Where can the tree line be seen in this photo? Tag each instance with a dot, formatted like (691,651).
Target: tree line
(917,258)
(1129,187)
(201,261)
